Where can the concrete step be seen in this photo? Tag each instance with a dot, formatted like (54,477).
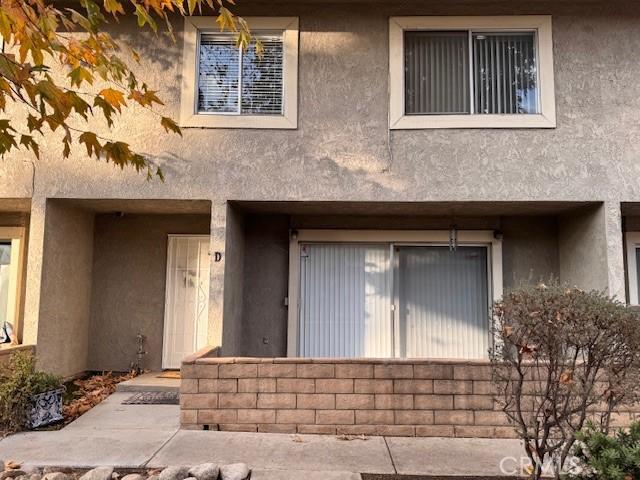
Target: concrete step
(259,474)
(149,382)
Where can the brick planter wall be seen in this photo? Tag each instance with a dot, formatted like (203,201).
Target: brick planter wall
(338,396)
(395,397)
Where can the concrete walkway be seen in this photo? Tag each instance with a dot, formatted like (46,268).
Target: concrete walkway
(148,436)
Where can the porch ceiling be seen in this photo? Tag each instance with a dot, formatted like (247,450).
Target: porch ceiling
(139,206)
(467,209)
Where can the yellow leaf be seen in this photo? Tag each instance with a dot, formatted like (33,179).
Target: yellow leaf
(170,125)
(115,98)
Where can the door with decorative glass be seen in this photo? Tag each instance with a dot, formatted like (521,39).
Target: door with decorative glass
(186,298)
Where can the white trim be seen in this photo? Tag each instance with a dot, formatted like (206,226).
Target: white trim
(16,268)
(392,237)
(188,114)
(632,244)
(540,23)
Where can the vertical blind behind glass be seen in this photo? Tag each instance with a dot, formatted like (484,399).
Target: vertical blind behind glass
(233,81)
(503,72)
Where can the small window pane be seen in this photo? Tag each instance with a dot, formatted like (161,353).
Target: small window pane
(262,77)
(436,72)
(505,73)
(218,74)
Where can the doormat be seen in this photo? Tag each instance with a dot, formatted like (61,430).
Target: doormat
(169,374)
(153,398)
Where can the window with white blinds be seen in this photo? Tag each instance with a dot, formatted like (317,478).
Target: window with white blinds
(232,81)
(356,300)
(470,72)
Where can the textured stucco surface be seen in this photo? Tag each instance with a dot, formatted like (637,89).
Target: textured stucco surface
(129,279)
(63,327)
(343,150)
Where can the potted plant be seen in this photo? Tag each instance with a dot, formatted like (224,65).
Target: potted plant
(29,398)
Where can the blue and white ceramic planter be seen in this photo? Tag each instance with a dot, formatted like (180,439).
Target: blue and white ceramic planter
(45,409)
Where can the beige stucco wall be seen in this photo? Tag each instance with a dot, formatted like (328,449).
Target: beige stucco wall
(343,149)
(128,293)
(63,326)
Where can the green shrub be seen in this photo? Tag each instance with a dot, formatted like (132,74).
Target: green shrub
(606,457)
(19,381)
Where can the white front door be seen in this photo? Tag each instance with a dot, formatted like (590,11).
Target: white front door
(186,298)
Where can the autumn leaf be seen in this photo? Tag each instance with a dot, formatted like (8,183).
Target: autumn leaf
(115,98)
(90,141)
(79,75)
(170,125)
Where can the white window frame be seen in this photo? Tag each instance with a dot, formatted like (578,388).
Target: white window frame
(541,24)
(16,235)
(397,238)
(632,240)
(189,115)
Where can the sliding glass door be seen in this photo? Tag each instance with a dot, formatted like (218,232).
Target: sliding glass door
(385,300)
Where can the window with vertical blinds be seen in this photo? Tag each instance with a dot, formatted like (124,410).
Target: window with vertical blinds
(467,72)
(233,81)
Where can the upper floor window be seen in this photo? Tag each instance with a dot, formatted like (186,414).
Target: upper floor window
(226,86)
(457,72)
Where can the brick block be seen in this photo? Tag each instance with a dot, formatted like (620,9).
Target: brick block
(238,370)
(317,429)
(433,402)
(316,370)
(472,372)
(189,371)
(256,385)
(473,431)
(505,432)
(207,385)
(191,426)
(413,386)
(206,371)
(296,385)
(433,372)
(413,417)
(473,402)
(373,386)
(453,386)
(321,401)
(393,371)
(483,387)
(188,416)
(453,417)
(217,416)
(490,418)
(374,417)
(295,416)
(279,370)
(434,431)
(334,385)
(352,370)
(393,402)
(355,401)
(237,400)
(198,400)
(335,417)
(238,427)
(276,400)
(188,385)
(276,428)
(261,415)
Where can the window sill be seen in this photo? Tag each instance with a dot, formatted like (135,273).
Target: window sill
(239,121)
(415,122)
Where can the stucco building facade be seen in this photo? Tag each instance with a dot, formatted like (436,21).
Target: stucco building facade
(548,194)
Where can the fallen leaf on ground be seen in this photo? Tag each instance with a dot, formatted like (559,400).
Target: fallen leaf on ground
(91,391)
